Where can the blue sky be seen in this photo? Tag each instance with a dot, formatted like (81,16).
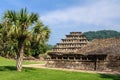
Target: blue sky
(64,16)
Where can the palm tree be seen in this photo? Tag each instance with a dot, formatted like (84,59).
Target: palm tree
(4,46)
(19,29)
(39,40)
(43,32)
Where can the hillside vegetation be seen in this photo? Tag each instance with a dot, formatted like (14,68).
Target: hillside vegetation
(101,34)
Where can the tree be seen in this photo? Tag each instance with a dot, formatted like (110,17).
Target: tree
(23,28)
(6,45)
(38,44)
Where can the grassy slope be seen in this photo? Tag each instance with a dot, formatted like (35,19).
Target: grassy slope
(7,72)
(6,62)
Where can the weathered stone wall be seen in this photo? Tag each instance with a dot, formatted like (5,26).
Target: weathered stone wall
(86,65)
(113,66)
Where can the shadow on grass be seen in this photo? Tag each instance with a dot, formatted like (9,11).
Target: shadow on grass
(13,68)
(7,68)
(110,76)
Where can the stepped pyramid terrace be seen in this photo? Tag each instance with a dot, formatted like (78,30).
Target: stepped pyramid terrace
(68,47)
(76,52)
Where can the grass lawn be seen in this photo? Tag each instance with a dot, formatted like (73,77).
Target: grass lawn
(8,72)
(32,62)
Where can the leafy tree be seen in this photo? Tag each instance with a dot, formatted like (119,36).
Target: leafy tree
(23,28)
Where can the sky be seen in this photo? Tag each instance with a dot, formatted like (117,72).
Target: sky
(65,16)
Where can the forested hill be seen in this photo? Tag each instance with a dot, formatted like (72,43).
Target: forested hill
(101,34)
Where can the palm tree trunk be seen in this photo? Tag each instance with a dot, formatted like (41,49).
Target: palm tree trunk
(20,56)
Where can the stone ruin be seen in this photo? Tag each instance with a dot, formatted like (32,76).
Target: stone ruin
(76,52)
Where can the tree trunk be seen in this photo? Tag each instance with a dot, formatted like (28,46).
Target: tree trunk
(20,56)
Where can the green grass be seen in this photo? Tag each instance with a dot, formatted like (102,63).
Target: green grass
(8,72)
(6,62)
(32,62)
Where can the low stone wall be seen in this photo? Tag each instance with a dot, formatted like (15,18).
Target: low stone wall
(85,65)
(114,65)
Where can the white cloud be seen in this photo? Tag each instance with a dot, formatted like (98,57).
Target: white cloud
(103,12)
